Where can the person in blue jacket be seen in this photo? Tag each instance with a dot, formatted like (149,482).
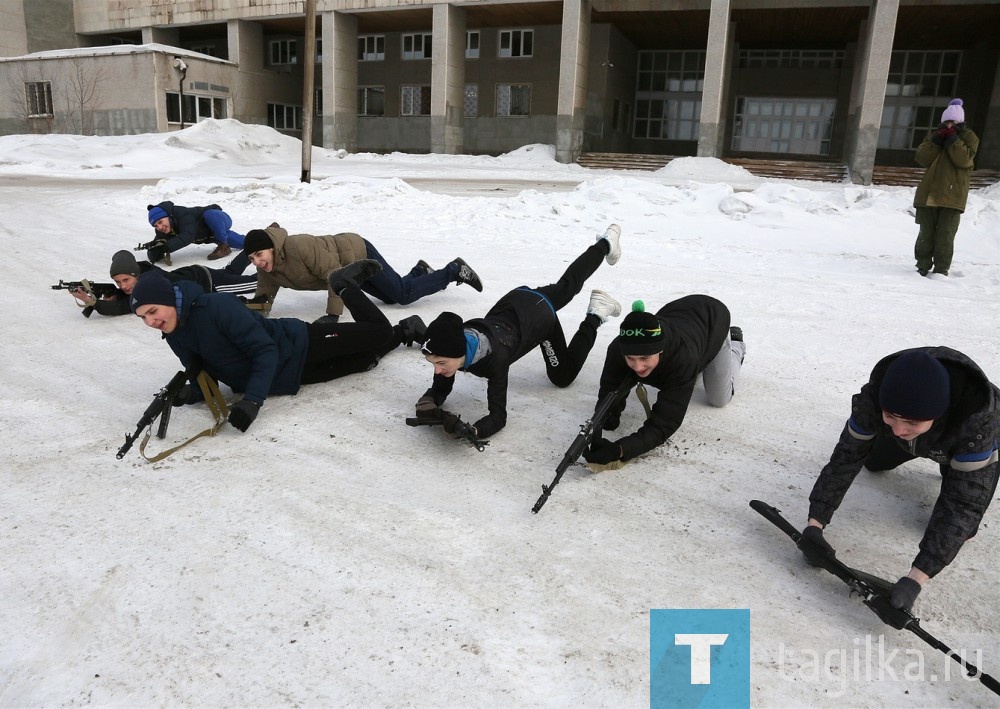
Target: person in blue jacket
(177,227)
(256,356)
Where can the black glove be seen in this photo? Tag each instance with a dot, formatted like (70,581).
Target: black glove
(450,422)
(611,423)
(814,546)
(904,592)
(242,414)
(602,451)
(427,409)
(182,396)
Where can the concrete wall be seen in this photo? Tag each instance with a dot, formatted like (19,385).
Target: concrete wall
(13,31)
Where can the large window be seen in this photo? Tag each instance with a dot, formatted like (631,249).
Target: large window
(783,125)
(472,44)
(195,108)
(38,99)
(284,117)
(414,100)
(417,46)
(515,43)
(513,100)
(284,51)
(371,48)
(371,101)
(668,94)
(919,86)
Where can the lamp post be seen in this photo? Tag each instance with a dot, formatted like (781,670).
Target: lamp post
(181,66)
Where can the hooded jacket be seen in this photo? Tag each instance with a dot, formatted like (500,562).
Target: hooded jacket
(254,355)
(694,328)
(963,442)
(303,262)
(946,181)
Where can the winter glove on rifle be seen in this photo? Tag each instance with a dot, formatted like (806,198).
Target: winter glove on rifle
(427,409)
(454,426)
(183,396)
(611,423)
(602,451)
(242,414)
(904,592)
(815,547)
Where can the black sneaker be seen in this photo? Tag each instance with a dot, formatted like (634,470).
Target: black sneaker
(353,274)
(467,275)
(424,266)
(922,271)
(736,334)
(413,330)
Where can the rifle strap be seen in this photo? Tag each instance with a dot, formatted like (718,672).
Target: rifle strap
(640,392)
(216,404)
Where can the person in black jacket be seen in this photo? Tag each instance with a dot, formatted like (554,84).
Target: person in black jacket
(256,356)
(125,271)
(925,402)
(687,337)
(177,227)
(523,319)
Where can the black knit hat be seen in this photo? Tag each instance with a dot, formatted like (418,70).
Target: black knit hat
(257,240)
(124,262)
(916,386)
(445,336)
(152,288)
(641,332)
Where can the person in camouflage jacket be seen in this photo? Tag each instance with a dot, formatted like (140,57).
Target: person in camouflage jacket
(926,402)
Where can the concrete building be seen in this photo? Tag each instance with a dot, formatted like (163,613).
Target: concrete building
(858,82)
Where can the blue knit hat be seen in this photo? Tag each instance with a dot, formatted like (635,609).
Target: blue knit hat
(156,214)
(916,386)
(152,288)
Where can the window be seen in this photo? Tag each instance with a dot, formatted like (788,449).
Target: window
(38,98)
(414,100)
(371,101)
(472,44)
(515,43)
(919,86)
(196,108)
(284,51)
(668,95)
(783,125)
(513,100)
(674,118)
(416,46)
(283,117)
(371,48)
(471,100)
(791,58)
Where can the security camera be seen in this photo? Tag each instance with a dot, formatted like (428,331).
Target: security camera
(180,64)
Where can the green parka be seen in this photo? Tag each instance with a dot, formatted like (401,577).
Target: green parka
(946,182)
(303,261)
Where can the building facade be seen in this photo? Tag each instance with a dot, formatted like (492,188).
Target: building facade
(856,82)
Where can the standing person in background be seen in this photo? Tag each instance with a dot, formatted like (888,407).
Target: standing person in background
(948,153)
(177,227)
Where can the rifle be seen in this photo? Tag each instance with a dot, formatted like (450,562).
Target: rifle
(158,408)
(874,592)
(583,438)
(94,290)
(158,241)
(462,429)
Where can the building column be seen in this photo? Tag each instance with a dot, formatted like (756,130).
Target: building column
(161,35)
(340,81)
(989,139)
(868,93)
(448,80)
(246,49)
(712,123)
(571,106)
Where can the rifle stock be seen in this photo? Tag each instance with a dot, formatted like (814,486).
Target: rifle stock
(159,406)
(582,439)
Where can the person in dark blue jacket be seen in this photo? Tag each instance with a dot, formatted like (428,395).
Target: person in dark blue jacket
(257,356)
(177,227)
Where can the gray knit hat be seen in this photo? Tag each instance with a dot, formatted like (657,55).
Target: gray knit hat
(124,262)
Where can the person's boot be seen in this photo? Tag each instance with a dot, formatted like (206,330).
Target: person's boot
(158,252)
(424,266)
(467,275)
(736,333)
(603,306)
(353,274)
(412,329)
(221,251)
(612,235)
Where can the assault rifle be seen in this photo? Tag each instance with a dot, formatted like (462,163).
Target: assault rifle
(461,429)
(874,592)
(158,241)
(94,290)
(159,408)
(583,438)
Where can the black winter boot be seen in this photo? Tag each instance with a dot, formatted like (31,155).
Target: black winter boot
(353,274)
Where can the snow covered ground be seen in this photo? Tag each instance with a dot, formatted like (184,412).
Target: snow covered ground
(334,556)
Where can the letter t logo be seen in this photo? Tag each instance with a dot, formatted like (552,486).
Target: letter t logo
(701,653)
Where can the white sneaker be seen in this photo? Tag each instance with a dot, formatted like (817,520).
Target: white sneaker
(612,235)
(603,306)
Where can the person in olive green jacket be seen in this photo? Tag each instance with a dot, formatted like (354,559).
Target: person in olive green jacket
(948,153)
